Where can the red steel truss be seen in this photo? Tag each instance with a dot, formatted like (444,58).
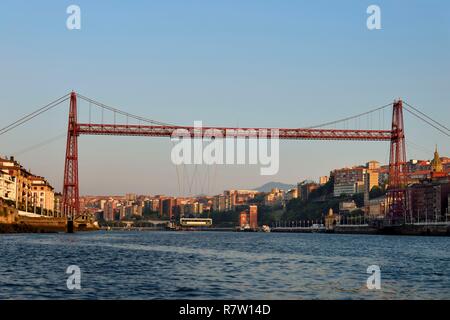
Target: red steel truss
(71,203)
(167,131)
(398,169)
(71,197)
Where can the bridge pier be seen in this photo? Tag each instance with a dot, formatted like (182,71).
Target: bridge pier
(70,226)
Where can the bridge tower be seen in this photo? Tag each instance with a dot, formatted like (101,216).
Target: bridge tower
(398,169)
(71,200)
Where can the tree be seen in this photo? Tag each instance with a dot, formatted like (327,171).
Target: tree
(376,192)
(359,199)
(323,190)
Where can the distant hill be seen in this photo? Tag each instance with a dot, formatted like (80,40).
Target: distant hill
(271,185)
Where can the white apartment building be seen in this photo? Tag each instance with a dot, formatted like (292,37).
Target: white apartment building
(8,186)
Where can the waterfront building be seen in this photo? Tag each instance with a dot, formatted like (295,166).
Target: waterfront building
(43,195)
(102,203)
(415,165)
(305,188)
(122,212)
(231,196)
(349,181)
(219,203)
(377,207)
(323,180)
(346,207)
(7,186)
(244,196)
(344,189)
(238,197)
(274,198)
(244,221)
(58,205)
(349,175)
(253,216)
(371,179)
(418,176)
(181,210)
(248,219)
(139,209)
(428,200)
(23,183)
(131,197)
(154,205)
(224,202)
(419,170)
(383,176)
(291,194)
(166,208)
(190,208)
(373,165)
(128,211)
(109,210)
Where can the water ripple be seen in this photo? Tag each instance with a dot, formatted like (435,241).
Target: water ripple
(222,265)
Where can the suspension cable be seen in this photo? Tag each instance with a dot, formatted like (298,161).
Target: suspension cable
(40,144)
(428,122)
(126,114)
(350,118)
(34,114)
(429,118)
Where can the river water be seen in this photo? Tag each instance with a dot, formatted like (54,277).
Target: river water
(222,265)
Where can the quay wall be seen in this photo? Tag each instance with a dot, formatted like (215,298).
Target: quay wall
(419,230)
(355,229)
(13,222)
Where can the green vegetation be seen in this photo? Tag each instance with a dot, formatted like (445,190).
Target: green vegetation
(376,192)
(323,191)
(316,207)
(297,209)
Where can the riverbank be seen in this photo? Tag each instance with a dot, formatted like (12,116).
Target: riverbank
(19,228)
(51,225)
(14,221)
(442,229)
(417,229)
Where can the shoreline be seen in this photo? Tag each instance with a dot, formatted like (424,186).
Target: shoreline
(23,228)
(15,222)
(406,230)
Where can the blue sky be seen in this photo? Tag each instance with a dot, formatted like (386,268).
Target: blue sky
(244,63)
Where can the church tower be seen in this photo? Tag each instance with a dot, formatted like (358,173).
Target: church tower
(436,163)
